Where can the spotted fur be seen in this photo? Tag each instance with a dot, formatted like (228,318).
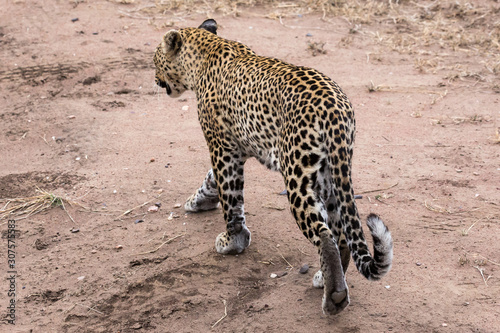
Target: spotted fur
(292,119)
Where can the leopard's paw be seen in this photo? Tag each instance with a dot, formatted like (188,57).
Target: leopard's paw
(318,280)
(233,244)
(196,204)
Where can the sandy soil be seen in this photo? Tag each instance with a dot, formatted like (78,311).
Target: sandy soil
(80,117)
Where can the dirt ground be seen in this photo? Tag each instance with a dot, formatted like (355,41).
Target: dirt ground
(81,118)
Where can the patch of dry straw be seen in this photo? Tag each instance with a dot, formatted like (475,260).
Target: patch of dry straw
(422,28)
(22,208)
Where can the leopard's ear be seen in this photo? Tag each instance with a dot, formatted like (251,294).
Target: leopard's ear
(209,25)
(171,43)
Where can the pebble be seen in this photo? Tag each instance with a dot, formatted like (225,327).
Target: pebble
(304,269)
(185,108)
(74,19)
(177,205)
(119,247)
(137,326)
(74,230)
(158,204)
(139,221)
(153,209)
(80,278)
(278,275)
(387,287)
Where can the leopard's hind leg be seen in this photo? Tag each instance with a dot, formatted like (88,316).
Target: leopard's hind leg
(308,187)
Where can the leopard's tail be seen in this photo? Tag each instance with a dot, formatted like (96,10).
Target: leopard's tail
(346,217)
(376,266)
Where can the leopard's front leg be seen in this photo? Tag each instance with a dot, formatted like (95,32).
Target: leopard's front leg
(206,197)
(227,165)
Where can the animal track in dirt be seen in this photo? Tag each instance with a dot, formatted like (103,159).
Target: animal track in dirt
(172,291)
(25,184)
(48,296)
(61,71)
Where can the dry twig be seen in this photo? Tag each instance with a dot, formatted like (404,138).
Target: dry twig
(132,209)
(159,247)
(289,265)
(481,271)
(379,189)
(224,316)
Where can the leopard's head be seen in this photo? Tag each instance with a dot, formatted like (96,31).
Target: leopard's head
(170,63)
(169,71)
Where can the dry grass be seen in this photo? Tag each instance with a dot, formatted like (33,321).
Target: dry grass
(431,30)
(21,208)
(316,48)
(378,87)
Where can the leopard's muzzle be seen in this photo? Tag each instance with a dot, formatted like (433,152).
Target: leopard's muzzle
(165,85)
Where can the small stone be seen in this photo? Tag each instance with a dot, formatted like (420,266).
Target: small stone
(93,251)
(466,304)
(80,278)
(74,230)
(308,35)
(177,205)
(444,324)
(418,264)
(273,276)
(171,216)
(153,209)
(118,247)
(139,221)
(185,108)
(72,117)
(281,274)
(158,204)
(152,160)
(387,287)
(74,19)
(304,269)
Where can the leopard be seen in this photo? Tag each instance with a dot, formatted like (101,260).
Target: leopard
(292,119)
